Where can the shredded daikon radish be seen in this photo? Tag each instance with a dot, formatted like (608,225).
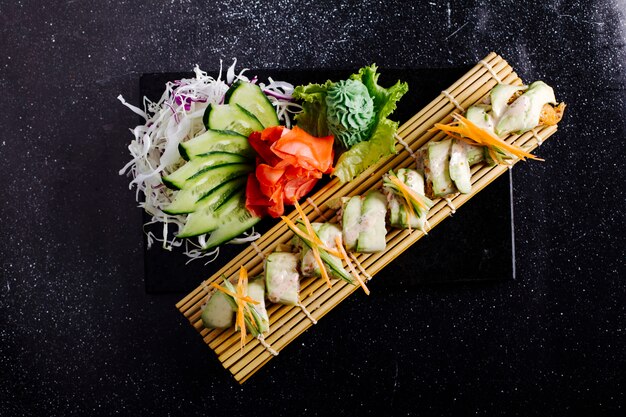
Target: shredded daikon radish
(279,93)
(249,236)
(175,118)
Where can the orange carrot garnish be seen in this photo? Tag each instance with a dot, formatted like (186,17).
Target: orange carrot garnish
(318,259)
(314,248)
(464,129)
(242,300)
(312,235)
(345,257)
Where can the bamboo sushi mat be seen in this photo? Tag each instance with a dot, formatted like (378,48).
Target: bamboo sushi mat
(288,322)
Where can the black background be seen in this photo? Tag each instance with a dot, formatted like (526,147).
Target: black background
(80,336)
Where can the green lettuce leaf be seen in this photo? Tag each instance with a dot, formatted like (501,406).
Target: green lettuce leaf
(385,99)
(364,154)
(313,116)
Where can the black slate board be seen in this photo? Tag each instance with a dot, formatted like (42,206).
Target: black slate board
(475,244)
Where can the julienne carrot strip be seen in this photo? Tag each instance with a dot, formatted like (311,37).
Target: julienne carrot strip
(421,200)
(301,234)
(494,140)
(242,286)
(318,259)
(406,189)
(452,134)
(462,129)
(470,130)
(359,266)
(241,322)
(407,203)
(328,250)
(314,248)
(452,127)
(295,229)
(475,139)
(307,224)
(344,255)
(403,189)
(243,302)
(494,155)
(251,317)
(232,294)
(313,237)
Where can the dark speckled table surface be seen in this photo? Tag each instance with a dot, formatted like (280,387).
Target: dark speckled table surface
(79,335)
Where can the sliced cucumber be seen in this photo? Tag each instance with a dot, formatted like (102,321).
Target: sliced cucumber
(231,117)
(193,170)
(204,219)
(281,278)
(233,219)
(255,328)
(213,141)
(351,219)
(460,167)
(523,114)
(189,199)
(327,234)
(218,312)
(250,97)
(417,222)
(412,178)
(373,231)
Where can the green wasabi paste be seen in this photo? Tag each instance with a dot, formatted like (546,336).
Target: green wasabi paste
(349,112)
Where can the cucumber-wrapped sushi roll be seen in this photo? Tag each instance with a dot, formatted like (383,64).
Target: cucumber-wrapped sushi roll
(508,109)
(327,233)
(221,306)
(446,166)
(282,279)
(218,312)
(408,207)
(363,222)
